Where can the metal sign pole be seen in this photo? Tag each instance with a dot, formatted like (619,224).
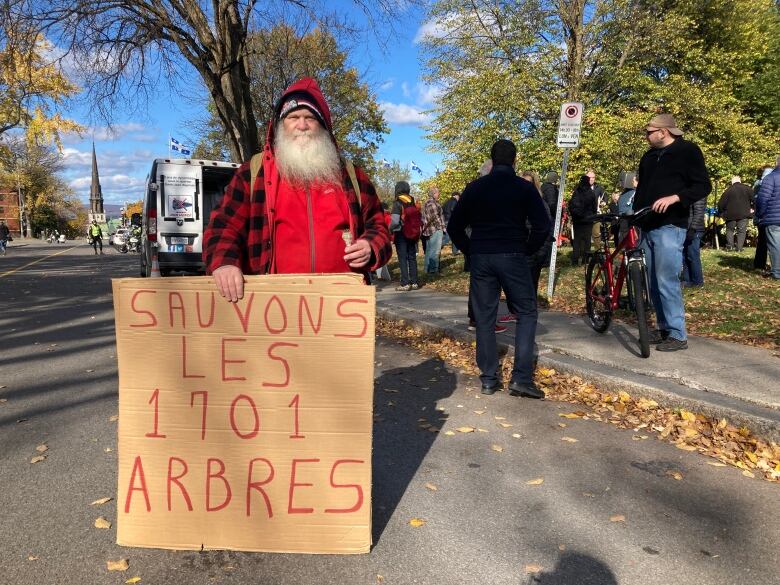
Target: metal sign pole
(557,228)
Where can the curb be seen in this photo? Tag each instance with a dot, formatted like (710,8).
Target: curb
(762,422)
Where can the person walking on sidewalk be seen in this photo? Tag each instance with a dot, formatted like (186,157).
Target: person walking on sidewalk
(497,207)
(735,207)
(4,233)
(672,177)
(406,226)
(433,229)
(297,207)
(96,235)
(768,215)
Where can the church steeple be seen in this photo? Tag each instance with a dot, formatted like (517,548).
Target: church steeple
(96,211)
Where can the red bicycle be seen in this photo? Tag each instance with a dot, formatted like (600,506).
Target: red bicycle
(603,285)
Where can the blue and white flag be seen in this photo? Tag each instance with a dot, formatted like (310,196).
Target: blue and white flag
(386,163)
(177,146)
(416,168)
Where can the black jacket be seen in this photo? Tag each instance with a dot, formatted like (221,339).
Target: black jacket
(497,207)
(735,202)
(696,215)
(677,169)
(583,205)
(550,196)
(447,208)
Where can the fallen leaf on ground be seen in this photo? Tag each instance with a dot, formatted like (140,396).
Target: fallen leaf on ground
(516,435)
(497,448)
(561,547)
(38,459)
(537,481)
(431,487)
(108,449)
(101,501)
(716,464)
(89,371)
(499,417)
(562,425)
(32,558)
(483,430)
(569,439)
(42,448)
(449,433)
(120,565)
(685,447)
(133,580)
(572,414)
(416,522)
(747,473)
(101,522)
(113,418)
(533,568)
(480,411)
(504,425)
(617,518)
(675,474)
(465,429)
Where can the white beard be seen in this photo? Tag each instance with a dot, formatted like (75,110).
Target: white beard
(306,157)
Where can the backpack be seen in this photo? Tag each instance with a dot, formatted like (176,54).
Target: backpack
(411,227)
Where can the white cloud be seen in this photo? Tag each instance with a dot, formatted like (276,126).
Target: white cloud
(428,95)
(387,85)
(405,89)
(404,114)
(432,29)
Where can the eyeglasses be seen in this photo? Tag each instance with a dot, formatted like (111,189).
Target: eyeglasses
(649,132)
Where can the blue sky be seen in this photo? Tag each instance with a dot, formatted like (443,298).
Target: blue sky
(125,156)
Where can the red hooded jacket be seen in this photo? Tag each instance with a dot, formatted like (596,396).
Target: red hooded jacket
(240,232)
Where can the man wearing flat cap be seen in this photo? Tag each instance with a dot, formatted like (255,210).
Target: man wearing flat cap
(672,177)
(297,207)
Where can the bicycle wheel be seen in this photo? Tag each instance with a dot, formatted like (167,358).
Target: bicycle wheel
(598,295)
(636,275)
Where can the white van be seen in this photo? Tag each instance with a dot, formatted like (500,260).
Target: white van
(180,195)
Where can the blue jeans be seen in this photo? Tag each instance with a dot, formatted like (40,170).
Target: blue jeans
(407,258)
(432,252)
(489,274)
(692,273)
(663,248)
(773,247)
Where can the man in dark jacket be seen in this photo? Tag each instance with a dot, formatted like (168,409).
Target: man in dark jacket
(269,226)
(497,207)
(768,216)
(672,177)
(735,207)
(447,208)
(693,274)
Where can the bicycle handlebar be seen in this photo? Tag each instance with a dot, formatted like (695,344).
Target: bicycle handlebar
(631,218)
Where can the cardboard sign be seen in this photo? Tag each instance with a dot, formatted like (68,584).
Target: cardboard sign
(245,426)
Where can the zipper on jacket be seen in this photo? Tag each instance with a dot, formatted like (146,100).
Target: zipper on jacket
(311,227)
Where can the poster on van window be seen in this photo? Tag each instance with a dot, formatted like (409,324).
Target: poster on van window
(180,196)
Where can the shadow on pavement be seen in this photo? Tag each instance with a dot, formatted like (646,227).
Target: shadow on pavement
(404,399)
(575,568)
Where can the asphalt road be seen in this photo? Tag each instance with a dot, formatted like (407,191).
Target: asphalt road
(483,524)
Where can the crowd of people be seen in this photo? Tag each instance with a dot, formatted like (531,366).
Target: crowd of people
(502,223)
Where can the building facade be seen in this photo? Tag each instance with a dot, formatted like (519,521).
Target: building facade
(9,210)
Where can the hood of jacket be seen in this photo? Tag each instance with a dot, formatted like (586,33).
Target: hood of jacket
(309,87)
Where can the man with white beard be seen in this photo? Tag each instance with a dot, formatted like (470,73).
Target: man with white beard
(308,210)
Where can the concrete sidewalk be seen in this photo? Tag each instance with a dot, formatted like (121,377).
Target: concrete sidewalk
(717,378)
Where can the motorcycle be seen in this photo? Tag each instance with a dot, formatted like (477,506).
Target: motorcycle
(134,241)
